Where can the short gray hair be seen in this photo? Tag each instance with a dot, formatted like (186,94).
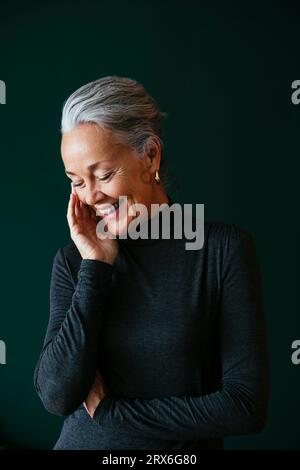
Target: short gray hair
(123,106)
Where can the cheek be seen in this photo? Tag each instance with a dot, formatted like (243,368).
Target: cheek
(128,178)
(120,185)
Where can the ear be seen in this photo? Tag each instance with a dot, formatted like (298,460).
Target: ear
(153,154)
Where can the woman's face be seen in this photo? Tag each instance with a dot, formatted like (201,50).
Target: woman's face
(102,169)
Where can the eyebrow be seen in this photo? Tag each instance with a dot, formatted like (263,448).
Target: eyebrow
(90,167)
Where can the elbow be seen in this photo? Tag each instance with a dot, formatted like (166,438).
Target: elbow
(250,411)
(256,419)
(56,401)
(256,423)
(58,406)
(59,394)
(260,417)
(260,410)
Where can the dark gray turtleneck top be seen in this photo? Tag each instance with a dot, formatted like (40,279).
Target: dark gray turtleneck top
(178,336)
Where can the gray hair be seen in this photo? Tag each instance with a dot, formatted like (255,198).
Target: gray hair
(123,106)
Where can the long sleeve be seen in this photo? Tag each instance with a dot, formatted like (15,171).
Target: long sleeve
(67,364)
(240,405)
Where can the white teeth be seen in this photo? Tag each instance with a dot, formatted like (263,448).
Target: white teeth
(109,211)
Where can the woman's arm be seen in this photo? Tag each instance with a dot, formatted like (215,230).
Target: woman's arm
(240,407)
(68,362)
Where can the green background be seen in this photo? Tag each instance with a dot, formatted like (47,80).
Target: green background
(223,74)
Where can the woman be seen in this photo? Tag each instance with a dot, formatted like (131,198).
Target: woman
(148,345)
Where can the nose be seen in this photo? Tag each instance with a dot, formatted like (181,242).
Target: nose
(93,195)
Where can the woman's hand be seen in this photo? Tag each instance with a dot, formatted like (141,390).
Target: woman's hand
(96,394)
(82,222)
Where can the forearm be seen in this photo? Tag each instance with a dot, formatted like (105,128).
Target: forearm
(68,362)
(230,411)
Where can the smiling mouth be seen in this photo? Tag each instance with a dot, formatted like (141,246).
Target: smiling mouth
(109,211)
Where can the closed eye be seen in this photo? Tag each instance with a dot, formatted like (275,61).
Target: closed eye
(104,178)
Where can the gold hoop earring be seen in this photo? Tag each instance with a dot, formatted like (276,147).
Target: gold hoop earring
(157,178)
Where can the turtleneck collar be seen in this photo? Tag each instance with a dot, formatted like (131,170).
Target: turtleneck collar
(149,240)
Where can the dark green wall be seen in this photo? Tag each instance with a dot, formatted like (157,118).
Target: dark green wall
(224,76)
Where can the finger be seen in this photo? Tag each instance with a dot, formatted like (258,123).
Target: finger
(80,209)
(98,380)
(73,198)
(76,207)
(73,202)
(85,406)
(87,409)
(70,212)
(86,212)
(93,215)
(90,212)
